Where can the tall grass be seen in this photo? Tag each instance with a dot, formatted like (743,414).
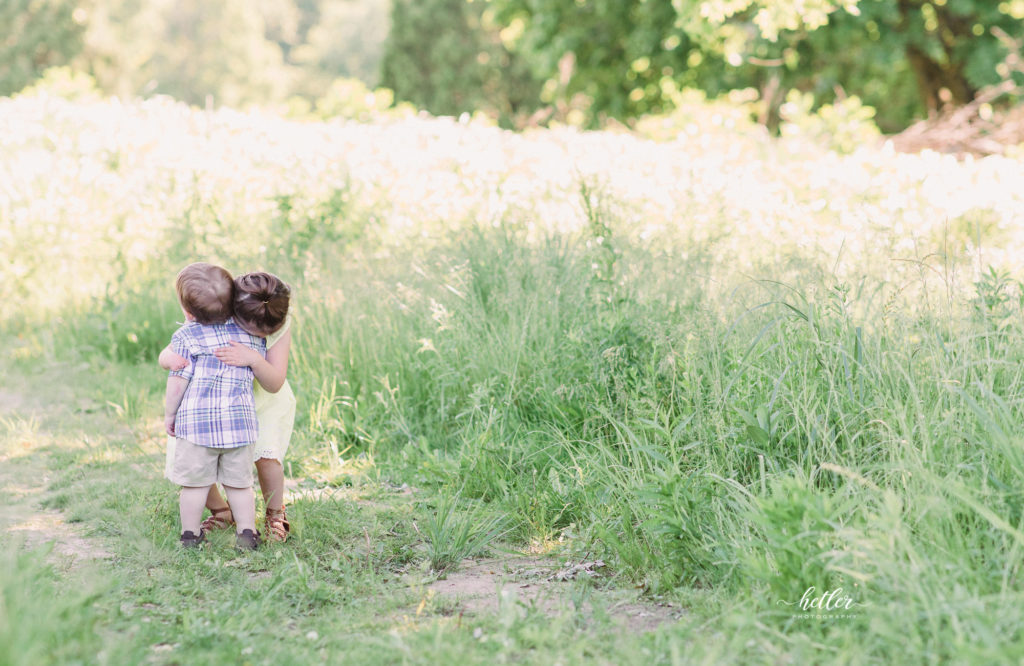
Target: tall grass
(807,434)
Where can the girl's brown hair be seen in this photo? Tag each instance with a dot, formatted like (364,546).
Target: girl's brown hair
(261,301)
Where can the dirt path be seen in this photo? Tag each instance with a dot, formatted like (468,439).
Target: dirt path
(24,479)
(484,586)
(29,432)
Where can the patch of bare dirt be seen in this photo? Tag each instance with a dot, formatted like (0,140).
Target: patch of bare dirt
(484,586)
(47,526)
(24,480)
(11,403)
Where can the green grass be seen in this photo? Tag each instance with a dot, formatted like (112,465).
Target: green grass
(349,586)
(41,620)
(752,456)
(453,535)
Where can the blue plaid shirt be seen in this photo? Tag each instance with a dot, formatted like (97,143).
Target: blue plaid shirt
(217,409)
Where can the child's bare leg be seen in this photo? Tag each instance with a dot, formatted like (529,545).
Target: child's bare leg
(243,507)
(216,503)
(190,507)
(271,475)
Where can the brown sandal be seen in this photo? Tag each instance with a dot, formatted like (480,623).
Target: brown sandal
(277,525)
(217,522)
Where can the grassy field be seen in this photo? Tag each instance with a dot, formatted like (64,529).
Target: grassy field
(729,368)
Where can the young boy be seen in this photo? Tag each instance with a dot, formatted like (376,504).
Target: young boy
(209,407)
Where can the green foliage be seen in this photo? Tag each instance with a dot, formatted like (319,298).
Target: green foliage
(800,529)
(40,622)
(443,56)
(189,50)
(352,100)
(38,34)
(453,533)
(125,325)
(901,56)
(620,52)
(843,126)
(684,509)
(215,49)
(344,40)
(63,82)
(525,61)
(236,53)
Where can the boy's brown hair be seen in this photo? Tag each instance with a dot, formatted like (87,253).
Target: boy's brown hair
(206,292)
(261,301)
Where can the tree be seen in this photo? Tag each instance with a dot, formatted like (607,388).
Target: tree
(120,40)
(443,56)
(347,41)
(217,49)
(880,50)
(189,49)
(38,34)
(620,50)
(907,58)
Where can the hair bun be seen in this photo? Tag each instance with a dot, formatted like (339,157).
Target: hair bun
(262,299)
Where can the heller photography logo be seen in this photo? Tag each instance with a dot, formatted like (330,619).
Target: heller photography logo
(834,604)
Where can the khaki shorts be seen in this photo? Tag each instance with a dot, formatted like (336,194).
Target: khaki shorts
(195,466)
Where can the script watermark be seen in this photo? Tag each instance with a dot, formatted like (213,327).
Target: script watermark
(834,604)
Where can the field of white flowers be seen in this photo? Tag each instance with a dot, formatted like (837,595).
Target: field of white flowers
(94,186)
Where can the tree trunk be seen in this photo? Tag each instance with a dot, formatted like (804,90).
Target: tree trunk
(938,83)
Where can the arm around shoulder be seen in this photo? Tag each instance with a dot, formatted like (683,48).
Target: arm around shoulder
(270,371)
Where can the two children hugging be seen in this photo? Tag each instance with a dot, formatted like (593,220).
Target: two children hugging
(218,422)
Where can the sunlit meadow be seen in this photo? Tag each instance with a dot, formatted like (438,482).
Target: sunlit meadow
(722,362)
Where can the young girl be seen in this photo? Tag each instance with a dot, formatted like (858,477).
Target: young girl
(260,308)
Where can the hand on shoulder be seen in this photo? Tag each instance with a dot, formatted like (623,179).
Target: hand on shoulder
(238,354)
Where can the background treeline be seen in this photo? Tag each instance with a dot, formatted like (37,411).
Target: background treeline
(526,61)
(237,52)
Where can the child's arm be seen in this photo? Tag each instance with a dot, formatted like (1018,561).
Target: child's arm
(178,379)
(270,371)
(175,392)
(168,360)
